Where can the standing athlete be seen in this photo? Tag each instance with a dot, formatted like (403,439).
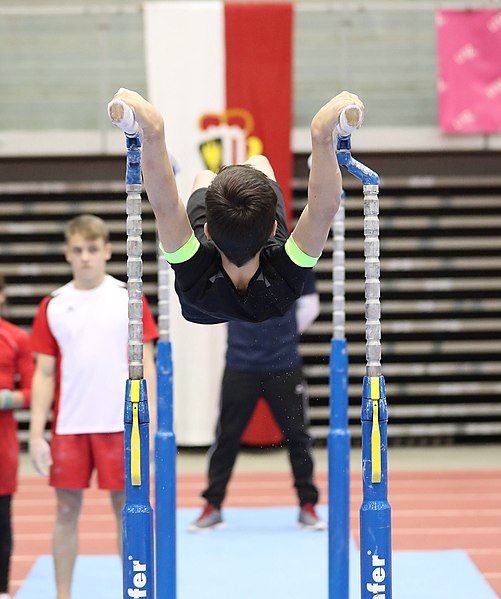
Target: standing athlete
(80,336)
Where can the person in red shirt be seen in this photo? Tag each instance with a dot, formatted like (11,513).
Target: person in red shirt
(16,371)
(80,336)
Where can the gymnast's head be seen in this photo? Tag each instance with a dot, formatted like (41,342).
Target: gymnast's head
(240,207)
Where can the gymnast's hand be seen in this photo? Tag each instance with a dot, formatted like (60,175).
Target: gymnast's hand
(40,455)
(325,121)
(149,118)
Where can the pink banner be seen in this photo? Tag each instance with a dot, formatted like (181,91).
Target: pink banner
(469,70)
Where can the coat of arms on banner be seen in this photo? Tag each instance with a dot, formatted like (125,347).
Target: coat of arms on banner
(226,138)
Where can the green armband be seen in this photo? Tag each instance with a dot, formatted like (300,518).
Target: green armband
(6,399)
(297,255)
(184,253)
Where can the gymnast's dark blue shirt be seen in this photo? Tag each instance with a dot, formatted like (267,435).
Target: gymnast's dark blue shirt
(266,346)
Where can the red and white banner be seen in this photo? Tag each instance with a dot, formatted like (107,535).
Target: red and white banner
(221,74)
(469,70)
(258,54)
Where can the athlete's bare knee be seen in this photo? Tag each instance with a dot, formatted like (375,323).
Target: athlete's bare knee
(69,504)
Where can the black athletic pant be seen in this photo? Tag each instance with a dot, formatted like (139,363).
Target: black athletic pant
(5,541)
(285,393)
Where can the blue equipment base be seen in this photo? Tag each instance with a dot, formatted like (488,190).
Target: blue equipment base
(261,553)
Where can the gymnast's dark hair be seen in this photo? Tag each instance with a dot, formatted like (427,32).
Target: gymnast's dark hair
(240,205)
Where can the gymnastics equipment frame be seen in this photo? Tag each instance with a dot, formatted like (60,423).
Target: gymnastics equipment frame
(149,557)
(375,511)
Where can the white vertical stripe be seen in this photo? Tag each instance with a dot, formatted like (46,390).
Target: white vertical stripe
(186,79)
(186,73)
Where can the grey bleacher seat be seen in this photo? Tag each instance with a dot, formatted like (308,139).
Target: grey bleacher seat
(440,289)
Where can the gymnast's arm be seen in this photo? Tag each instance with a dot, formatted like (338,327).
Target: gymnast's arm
(174,228)
(325,183)
(42,396)
(307,310)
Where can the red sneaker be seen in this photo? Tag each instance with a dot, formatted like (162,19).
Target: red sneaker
(209,519)
(309,519)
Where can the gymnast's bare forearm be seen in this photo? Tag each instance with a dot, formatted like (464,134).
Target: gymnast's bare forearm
(172,221)
(324,195)
(173,225)
(325,182)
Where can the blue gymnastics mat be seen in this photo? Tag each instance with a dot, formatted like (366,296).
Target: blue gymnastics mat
(262,554)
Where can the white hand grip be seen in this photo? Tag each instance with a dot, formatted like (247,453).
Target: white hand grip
(351,118)
(122,115)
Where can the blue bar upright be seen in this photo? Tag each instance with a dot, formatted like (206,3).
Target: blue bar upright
(133,171)
(165,478)
(375,511)
(338,444)
(354,167)
(137,515)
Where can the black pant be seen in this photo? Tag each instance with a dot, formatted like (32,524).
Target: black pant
(5,541)
(285,393)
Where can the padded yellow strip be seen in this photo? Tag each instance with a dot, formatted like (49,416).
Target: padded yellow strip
(184,253)
(135,444)
(376,434)
(297,255)
(376,444)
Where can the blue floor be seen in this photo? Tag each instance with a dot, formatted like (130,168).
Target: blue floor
(260,554)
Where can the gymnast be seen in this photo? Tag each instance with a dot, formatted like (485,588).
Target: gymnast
(230,248)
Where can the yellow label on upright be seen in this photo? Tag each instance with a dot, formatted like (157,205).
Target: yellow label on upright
(375,387)
(135,391)
(376,435)
(135,442)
